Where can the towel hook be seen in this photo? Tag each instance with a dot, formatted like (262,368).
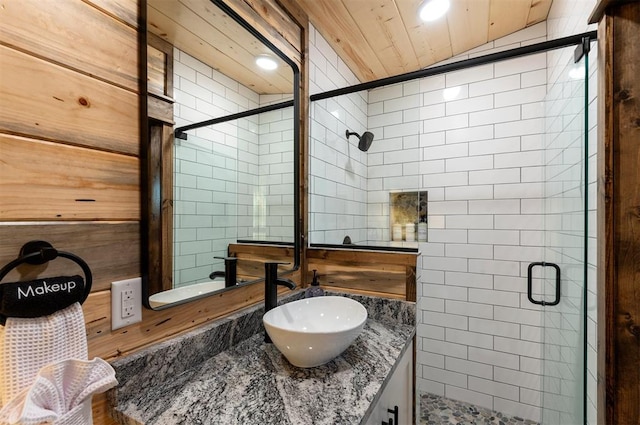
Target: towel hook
(40,252)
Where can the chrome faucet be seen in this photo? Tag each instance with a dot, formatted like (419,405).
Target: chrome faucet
(230,271)
(271,282)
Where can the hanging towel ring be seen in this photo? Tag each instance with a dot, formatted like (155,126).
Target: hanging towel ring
(40,252)
(25,299)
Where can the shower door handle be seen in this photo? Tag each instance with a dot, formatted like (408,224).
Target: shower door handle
(556,301)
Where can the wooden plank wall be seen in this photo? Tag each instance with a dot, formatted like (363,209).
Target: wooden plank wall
(70,142)
(618,212)
(390,274)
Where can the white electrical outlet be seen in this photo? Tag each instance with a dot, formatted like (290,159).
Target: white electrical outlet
(126,302)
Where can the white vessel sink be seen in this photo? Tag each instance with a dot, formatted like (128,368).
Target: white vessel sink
(313,331)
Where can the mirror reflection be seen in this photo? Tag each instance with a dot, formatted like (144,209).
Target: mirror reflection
(206,33)
(232,180)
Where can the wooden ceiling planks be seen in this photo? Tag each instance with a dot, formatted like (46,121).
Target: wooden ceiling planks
(430,42)
(468,24)
(381,24)
(507,16)
(382,38)
(339,28)
(538,12)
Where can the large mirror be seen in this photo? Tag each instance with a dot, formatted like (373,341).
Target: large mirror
(223,170)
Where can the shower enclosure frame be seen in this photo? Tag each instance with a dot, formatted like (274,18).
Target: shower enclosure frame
(545,46)
(581,41)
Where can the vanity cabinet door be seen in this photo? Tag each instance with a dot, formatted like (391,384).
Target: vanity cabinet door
(398,392)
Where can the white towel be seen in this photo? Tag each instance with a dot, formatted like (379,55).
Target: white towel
(28,345)
(61,394)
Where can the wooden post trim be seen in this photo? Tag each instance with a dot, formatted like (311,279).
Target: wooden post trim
(619,216)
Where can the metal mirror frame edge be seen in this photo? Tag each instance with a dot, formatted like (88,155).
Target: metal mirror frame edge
(152,202)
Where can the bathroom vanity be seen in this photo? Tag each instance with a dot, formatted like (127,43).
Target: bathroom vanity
(224,373)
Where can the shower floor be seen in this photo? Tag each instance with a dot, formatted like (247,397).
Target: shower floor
(436,410)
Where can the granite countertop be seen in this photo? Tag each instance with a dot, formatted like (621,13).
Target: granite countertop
(224,373)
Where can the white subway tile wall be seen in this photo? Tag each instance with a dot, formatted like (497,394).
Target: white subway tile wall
(338,170)
(233,180)
(475,140)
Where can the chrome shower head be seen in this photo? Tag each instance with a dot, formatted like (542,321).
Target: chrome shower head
(364,141)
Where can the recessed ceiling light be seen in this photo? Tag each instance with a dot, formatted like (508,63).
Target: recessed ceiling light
(266,62)
(433,9)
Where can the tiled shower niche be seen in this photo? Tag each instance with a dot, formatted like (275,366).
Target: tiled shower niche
(408,216)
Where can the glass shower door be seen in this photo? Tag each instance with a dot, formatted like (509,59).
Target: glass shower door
(562,274)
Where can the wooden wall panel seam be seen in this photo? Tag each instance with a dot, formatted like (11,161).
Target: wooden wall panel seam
(68,67)
(118,12)
(42,138)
